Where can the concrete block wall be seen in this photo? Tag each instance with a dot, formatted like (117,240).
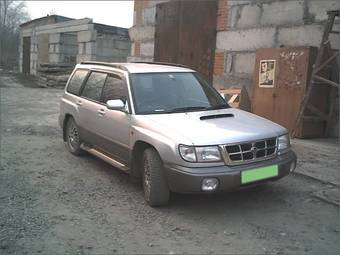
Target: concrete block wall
(253,24)
(143,31)
(75,41)
(86,45)
(112,48)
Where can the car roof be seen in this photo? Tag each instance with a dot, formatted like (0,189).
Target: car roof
(136,67)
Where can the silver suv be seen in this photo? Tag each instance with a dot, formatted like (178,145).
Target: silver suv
(165,125)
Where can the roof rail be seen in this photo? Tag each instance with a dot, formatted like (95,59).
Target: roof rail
(161,63)
(104,64)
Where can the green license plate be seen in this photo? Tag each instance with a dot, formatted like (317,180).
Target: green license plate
(259,174)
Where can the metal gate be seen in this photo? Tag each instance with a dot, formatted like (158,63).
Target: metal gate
(186,34)
(26,55)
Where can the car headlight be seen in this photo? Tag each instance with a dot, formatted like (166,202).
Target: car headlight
(188,153)
(200,154)
(283,142)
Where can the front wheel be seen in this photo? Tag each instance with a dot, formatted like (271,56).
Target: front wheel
(156,191)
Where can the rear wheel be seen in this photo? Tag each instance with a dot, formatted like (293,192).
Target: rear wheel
(72,137)
(156,191)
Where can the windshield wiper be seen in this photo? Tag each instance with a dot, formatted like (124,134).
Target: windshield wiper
(187,109)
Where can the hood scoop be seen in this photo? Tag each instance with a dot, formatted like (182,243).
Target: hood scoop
(216,116)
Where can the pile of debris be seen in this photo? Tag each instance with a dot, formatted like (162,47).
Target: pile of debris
(54,75)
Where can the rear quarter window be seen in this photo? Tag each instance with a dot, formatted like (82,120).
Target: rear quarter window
(76,82)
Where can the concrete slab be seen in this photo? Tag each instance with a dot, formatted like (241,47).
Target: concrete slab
(149,16)
(248,39)
(244,63)
(142,33)
(309,35)
(318,159)
(283,12)
(318,8)
(249,16)
(331,196)
(147,49)
(86,36)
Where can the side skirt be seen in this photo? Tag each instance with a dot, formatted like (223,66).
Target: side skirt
(105,157)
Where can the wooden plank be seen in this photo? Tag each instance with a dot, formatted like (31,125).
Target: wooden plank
(315,110)
(312,118)
(324,45)
(319,68)
(337,85)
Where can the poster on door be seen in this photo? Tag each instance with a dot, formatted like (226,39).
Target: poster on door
(267,74)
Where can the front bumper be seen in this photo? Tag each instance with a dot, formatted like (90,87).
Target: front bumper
(189,180)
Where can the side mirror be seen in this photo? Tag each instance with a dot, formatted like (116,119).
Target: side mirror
(116,104)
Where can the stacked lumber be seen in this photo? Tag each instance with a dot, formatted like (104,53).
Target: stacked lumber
(237,97)
(53,75)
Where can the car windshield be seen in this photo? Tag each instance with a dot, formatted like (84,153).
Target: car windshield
(156,93)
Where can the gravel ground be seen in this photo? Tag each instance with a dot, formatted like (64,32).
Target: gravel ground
(52,202)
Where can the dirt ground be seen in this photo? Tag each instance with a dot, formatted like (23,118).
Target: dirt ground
(52,202)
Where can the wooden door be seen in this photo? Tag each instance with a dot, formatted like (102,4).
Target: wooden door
(26,55)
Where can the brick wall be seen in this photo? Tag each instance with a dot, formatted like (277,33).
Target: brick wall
(219,63)
(138,9)
(222,15)
(143,31)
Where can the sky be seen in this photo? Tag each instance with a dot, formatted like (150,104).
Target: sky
(114,13)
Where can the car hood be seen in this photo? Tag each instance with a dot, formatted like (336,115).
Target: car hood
(217,126)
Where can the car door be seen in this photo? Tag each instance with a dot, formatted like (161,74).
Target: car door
(113,125)
(91,107)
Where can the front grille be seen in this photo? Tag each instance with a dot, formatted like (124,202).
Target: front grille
(251,151)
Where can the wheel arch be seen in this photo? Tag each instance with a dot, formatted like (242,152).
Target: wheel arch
(136,157)
(67,117)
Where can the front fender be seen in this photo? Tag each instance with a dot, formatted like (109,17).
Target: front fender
(165,146)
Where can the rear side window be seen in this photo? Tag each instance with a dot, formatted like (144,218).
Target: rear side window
(94,85)
(115,88)
(76,81)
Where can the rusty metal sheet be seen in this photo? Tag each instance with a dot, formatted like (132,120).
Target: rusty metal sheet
(166,32)
(186,34)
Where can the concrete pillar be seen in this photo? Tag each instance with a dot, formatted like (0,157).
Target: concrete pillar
(54,48)
(86,45)
(20,51)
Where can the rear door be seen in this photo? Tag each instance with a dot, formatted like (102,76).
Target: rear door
(114,126)
(91,107)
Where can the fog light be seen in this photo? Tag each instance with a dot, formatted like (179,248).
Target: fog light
(292,166)
(209,184)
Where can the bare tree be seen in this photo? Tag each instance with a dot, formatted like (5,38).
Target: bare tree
(12,14)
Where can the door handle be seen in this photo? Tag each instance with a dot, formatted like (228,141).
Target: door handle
(79,102)
(101,112)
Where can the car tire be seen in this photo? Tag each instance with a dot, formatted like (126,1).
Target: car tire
(73,140)
(156,190)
